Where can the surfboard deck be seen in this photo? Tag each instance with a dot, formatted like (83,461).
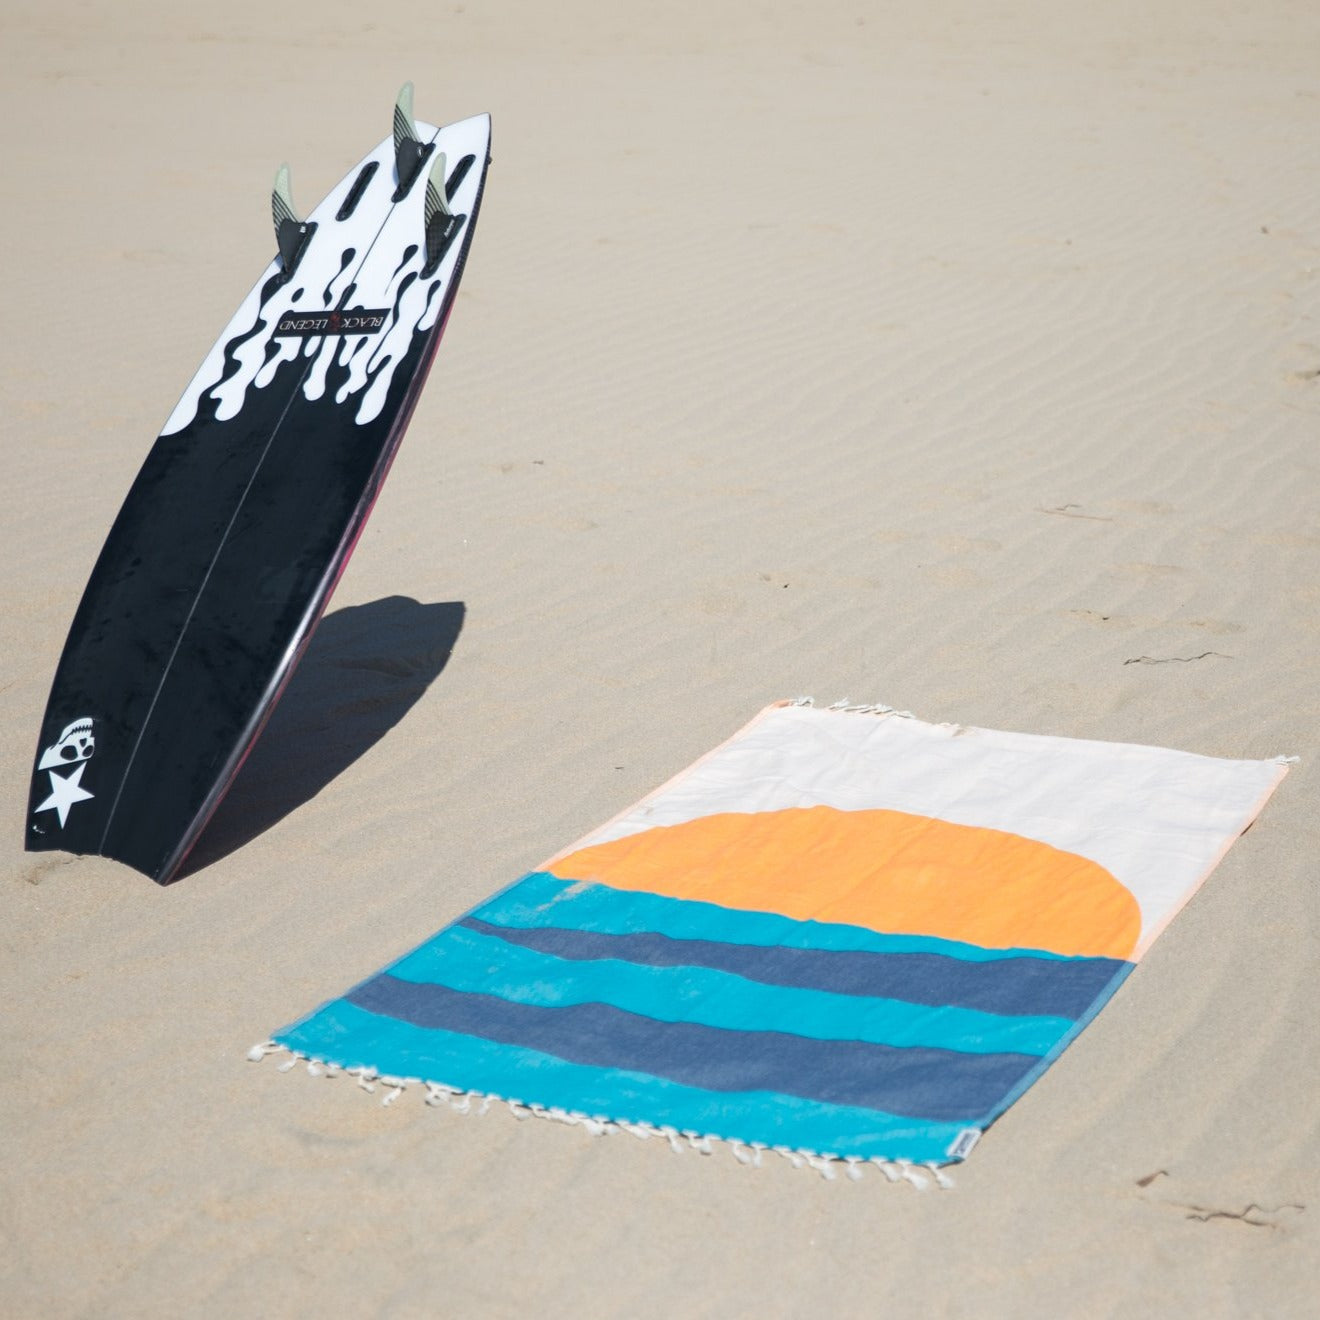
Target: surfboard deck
(232,537)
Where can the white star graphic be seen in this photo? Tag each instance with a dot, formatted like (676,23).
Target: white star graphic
(64,793)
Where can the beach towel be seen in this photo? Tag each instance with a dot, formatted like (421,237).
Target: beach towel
(845,935)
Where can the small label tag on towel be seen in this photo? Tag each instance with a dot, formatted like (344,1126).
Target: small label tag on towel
(961,1146)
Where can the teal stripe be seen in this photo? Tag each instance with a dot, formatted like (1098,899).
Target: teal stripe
(465,960)
(351,1037)
(541,899)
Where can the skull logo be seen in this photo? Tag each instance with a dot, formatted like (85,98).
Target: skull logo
(76,744)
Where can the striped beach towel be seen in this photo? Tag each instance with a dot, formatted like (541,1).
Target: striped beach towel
(845,934)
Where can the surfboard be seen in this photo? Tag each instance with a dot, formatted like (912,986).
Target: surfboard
(248,506)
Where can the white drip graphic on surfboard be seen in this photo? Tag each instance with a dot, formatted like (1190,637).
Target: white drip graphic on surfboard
(371,360)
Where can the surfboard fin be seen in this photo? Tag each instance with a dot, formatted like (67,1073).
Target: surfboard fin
(291,231)
(409,153)
(437,200)
(442,225)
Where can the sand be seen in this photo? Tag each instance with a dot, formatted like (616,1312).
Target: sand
(960,357)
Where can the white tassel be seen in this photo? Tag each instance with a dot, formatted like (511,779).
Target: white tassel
(942,1179)
(823,1166)
(919,1180)
(746,1153)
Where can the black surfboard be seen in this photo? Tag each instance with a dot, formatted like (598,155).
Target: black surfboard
(243,516)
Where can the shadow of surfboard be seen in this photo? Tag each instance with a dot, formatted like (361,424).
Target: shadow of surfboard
(365,668)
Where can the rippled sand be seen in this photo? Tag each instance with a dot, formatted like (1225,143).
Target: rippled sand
(964,358)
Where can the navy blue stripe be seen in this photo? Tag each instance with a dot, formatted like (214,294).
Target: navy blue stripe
(914,1082)
(1022,987)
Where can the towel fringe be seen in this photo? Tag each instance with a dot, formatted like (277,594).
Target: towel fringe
(847,707)
(827,1164)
